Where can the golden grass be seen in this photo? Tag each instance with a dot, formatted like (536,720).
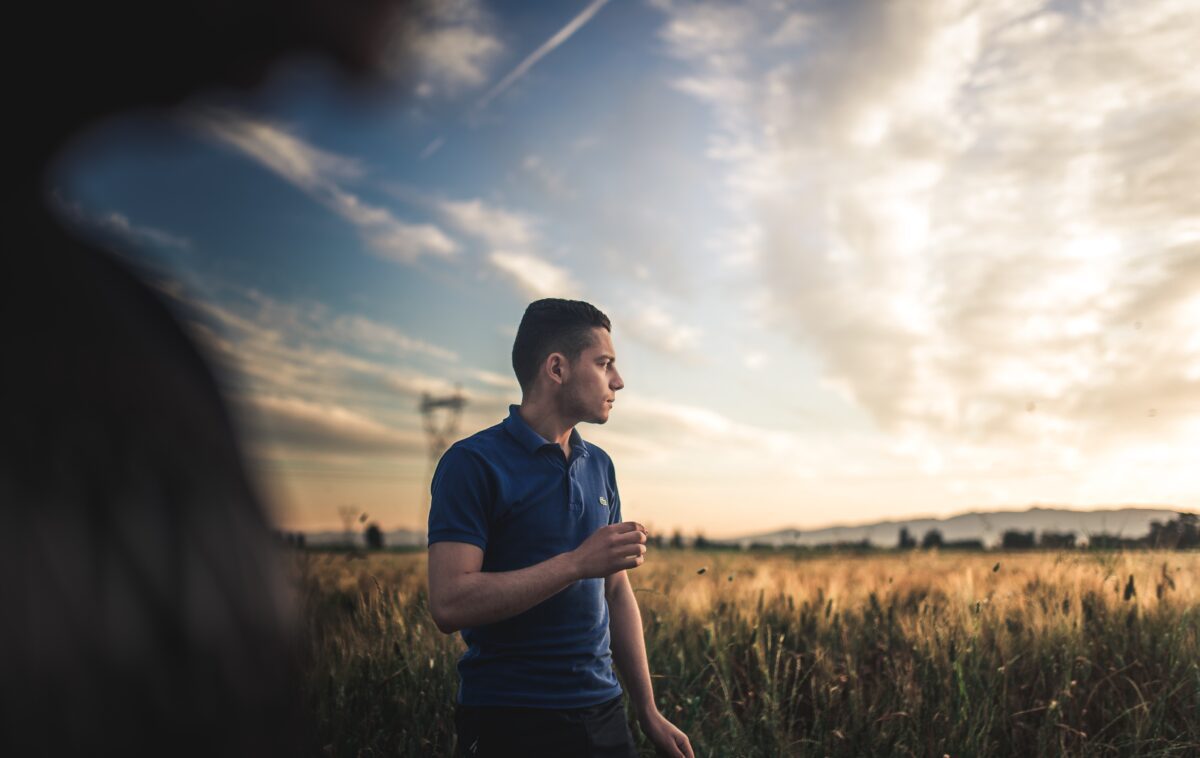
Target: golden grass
(780,654)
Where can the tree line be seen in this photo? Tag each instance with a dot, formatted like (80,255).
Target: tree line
(1180,533)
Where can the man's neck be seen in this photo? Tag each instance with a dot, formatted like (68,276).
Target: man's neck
(548,422)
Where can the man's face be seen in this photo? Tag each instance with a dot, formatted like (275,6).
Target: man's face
(593,381)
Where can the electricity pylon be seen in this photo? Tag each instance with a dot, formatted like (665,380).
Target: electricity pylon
(442,415)
(348,514)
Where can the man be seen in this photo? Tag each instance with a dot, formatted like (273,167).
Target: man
(528,554)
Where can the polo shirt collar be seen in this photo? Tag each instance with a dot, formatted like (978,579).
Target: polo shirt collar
(524,434)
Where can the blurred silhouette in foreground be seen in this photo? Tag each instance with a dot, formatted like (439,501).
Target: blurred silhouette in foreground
(142,607)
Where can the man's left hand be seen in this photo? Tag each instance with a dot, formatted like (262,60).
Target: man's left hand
(666,736)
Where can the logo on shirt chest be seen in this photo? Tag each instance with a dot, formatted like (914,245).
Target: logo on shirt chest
(604,501)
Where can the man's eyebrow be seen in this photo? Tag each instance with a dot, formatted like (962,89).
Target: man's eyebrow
(606,357)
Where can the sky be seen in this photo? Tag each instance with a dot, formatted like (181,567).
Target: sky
(863,260)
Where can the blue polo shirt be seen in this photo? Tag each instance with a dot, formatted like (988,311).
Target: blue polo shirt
(516,496)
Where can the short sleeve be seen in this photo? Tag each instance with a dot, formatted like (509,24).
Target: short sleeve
(461,498)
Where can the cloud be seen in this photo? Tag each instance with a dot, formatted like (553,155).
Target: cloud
(707,30)
(405,243)
(114,223)
(664,438)
(964,209)
(433,146)
(251,314)
(456,56)
(148,235)
(296,426)
(513,241)
(755,361)
(492,379)
(319,386)
(497,227)
(303,349)
(715,35)
(271,145)
(550,180)
(320,174)
(383,339)
(522,68)
(534,276)
(655,327)
(453,47)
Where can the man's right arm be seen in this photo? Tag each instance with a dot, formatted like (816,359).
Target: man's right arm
(462,595)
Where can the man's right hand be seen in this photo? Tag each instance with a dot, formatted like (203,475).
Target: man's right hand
(610,549)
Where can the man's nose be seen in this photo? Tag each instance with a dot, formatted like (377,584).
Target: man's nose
(617,383)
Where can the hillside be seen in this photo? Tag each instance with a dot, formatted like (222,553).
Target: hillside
(985,526)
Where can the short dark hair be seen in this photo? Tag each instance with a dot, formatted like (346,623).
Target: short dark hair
(550,326)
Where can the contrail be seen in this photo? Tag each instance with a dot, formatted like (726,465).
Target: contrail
(432,147)
(561,36)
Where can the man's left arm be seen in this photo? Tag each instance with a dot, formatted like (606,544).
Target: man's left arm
(629,653)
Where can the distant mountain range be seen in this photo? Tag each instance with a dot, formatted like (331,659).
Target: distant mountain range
(985,526)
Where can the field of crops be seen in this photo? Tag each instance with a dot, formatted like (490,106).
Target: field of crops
(764,654)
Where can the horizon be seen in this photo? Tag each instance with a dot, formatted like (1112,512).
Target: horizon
(360,526)
(859,260)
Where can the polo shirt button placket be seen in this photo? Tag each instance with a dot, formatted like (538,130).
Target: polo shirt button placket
(573,506)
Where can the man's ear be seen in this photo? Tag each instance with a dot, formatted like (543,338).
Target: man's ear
(557,367)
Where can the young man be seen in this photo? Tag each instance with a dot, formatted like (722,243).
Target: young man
(527,557)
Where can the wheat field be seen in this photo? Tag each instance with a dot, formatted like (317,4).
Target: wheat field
(778,654)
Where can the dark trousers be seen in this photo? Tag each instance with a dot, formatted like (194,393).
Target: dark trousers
(598,731)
